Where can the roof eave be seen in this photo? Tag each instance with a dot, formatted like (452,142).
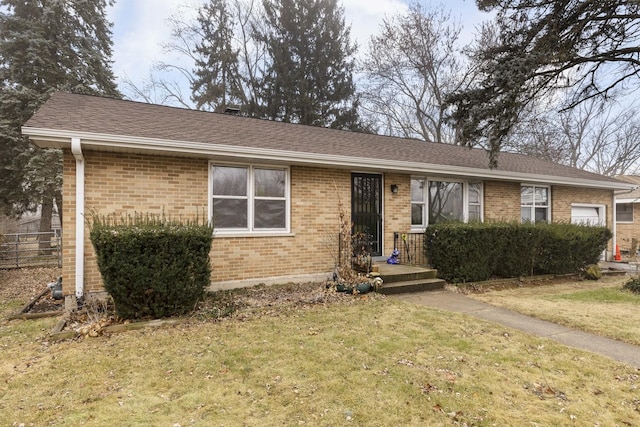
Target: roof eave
(51,138)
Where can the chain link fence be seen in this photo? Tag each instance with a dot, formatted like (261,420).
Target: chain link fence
(31,249)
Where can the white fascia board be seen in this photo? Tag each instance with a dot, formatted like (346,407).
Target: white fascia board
(60,138)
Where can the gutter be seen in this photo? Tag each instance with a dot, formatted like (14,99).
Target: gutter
(76,149)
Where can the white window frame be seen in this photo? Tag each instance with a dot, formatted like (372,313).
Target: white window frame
(465,199)
(250,230)
(533,206)
(618,203)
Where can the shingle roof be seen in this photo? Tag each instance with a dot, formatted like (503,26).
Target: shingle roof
(98,115)
(634,179)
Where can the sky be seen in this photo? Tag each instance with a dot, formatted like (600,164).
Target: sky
(140,27)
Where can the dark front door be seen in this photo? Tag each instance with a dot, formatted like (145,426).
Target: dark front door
(366,208)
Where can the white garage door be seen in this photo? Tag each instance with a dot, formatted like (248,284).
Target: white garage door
(591,215)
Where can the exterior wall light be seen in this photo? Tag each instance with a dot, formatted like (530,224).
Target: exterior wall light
(394,188)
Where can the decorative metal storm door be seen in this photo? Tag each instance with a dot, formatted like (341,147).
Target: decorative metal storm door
(366,209)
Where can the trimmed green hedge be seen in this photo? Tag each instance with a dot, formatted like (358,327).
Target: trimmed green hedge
(480,251)
(152,266)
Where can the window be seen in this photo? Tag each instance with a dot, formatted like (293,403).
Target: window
(249,198)
(624,212)
(438,201)
(534,203)
(445,202)
(475,202)
(418,203)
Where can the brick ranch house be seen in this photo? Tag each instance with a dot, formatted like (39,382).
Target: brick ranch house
(272,188)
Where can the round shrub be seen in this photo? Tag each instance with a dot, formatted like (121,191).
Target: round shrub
(152,266)
(592,272)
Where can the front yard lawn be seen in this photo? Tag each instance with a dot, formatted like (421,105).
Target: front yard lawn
(362,362)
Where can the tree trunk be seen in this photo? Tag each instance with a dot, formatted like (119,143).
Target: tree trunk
(59,206)
(45,225)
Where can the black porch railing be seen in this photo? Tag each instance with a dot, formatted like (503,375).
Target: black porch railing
(411,248)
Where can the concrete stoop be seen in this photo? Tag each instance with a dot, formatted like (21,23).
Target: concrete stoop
(399,279)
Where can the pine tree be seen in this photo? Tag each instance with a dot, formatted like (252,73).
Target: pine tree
(217,82)
(309,76)
(45,45)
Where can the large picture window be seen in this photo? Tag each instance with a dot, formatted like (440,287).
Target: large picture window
(534,203)
(249,198)
(445,202)
(439,201)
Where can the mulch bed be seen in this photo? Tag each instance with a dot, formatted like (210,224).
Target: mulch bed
(97,317)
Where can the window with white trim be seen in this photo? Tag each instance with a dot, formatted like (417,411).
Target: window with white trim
(474,190)
(418,203)
(534,203)
(438,201)
(249,198)
(624,212)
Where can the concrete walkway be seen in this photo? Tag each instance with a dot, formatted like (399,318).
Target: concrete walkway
(451,301)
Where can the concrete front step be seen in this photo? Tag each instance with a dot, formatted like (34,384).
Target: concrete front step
(402,273)
(404,276)
(407,286)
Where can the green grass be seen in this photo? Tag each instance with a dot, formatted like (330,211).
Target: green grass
(371,363)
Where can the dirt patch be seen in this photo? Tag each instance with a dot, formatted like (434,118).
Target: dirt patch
(97,316)
(501,284)
(47,304)
(24,284)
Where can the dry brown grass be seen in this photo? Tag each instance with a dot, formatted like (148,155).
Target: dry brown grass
(592,306)
(369,362)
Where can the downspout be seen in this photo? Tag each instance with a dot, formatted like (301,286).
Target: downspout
(614,228)
(76,150)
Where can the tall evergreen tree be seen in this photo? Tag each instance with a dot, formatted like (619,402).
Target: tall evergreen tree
(45,45)
(309,75)
(217,81)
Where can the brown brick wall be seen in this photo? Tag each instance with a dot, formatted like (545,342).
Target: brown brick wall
(397,208)
(125,184)
(501,201)
(128,183)
(310,249)
(68,222)
(629,231)
(119,183)
(563,197)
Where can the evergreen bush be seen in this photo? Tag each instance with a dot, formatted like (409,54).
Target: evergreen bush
(152,266)
(480,251)
(633,285)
